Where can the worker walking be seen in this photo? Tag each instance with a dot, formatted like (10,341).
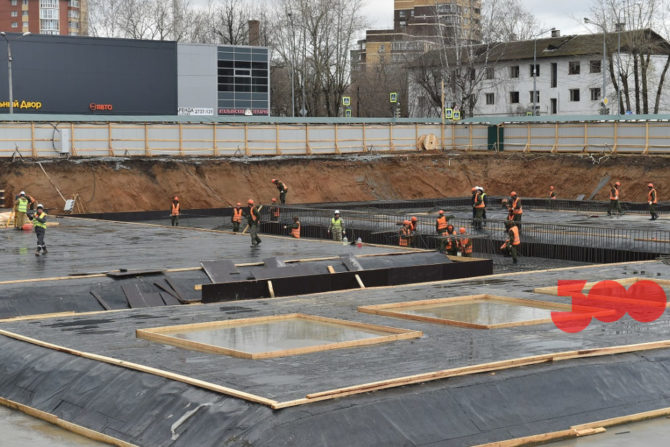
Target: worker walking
(515,206)
(295,227)
(441,224)
(336,227)
(552,193)
(464,244)
(282,188)
(479,207)
(274,211)
(405,234)
(615,195)
(40,224)
(236,218)
(21,205)
(254,221)
(175,211)
(652,199)
(513,243)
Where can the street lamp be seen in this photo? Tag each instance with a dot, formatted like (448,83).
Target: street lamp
(619,27)
(9,69)
(604,65)
(535,67)
(290,18)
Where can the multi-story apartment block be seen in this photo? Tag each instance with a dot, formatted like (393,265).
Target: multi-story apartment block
(62,17)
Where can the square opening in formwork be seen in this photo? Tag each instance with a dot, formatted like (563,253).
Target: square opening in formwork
(274,336)
(475,311)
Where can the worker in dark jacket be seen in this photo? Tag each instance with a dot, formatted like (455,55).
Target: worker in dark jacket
(282,188)
(254,221)
(39,219)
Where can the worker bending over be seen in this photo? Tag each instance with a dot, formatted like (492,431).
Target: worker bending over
(40,224)
(465,244)
(405,234)
(282,188)
(336,227)
(615,195)
(22,203)
(652,199)
(236,218)
(174,211)
(295,227)
(254,221)
(513,243)
(274,211)
(449,242)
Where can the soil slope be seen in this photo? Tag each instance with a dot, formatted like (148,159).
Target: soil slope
(149,184)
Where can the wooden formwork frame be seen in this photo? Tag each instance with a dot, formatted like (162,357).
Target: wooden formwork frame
(163,335)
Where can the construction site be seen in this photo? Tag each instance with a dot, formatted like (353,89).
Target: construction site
(133,331)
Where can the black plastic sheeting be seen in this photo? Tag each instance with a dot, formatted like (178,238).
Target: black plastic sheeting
(149,410)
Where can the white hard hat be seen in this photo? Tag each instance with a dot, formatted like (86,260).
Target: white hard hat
(40,206)
(22,193)
(480,188)
(337,212)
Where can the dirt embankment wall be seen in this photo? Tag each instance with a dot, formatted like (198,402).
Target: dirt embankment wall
(146,184)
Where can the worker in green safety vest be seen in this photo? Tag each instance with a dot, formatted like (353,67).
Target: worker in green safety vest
(40,224)
(336,227)
(21,204)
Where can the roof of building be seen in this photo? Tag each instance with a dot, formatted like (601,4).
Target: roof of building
(555,47)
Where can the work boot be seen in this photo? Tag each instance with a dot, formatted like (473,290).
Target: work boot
(44,251)
(37,252)
(515,261)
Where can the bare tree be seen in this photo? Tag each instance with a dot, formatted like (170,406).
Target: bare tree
(506,21)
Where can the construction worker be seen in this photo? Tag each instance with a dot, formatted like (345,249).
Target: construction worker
(295,227)
(449,243)
(236,218)
(474,196)
(174,213)
(405,234)
(515,206)
(484,196)
(465,244)
(441,224)
(40,224)
(513,243)
(274,211)
(479,207)
(552,193)
(336,227)
(21,205)
(254,221)
(615,194)
(413,225)
(652,199)
(282,188)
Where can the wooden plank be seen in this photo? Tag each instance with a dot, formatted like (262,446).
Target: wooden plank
(271,289)
(69,426)
(331,269)
(220,271)
(153,299)
(133,296)
(39,316)
(359,281)
(102,302)
(180,296)
(168,299)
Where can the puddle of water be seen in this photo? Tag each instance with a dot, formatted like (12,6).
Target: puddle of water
(480,312)
(277,335)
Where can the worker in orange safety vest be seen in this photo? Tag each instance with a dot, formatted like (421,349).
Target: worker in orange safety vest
(513,243)
(274,211)
(552,193)
(449,243)
(405,234)
(615,196)
(465,244)
(441,224)
(175,211)
(236,218)
(295,227)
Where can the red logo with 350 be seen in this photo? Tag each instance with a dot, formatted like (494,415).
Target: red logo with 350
(609,301)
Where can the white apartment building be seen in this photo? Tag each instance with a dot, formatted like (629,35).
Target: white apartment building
(569,78)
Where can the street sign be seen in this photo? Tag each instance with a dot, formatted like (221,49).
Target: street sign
(606,101)
(347,113)
(303,112)
(393,97)
(448,113)
(457,115)
(346,101)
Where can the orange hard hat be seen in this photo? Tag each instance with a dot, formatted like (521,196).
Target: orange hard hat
(274,200)
(462,230)
(406,222)
(175,198)
(474,189)
(250,201)
(239,204)
(274,180)
(414,219)
(513,193)
(441,212)
(651,185)
(618,183)
(551,187)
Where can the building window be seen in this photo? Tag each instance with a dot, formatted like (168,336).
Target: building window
(514,71)
(49,14)
(73,25)
(490,99)
(514,97)
(15,25)
(25,24)
(25,2)
(574,95)
(536,72)
(48,25)
(401,13)
(537,96)
(595,94)
(25,13)
(574,68)
(490,73)
(49,4)
(381,48)
(15,14)
(14,2)
(74,3)
(595,66)
(74,14)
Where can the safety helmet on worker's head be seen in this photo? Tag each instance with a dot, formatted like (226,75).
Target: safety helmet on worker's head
(474,188)
(551,187)
(239,204)
(406,222)
(462,230)
(274,200)
(40,206)
(250,201)
(651,185)
(441,212)
(22,193)
(274,180)
(513,194)
(176,198)
(414,219)
(480,188)
(618,183)
(337,212)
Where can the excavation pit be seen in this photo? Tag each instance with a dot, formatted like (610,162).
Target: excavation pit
(277,336)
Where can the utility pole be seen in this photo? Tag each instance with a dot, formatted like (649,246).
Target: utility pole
(9,70)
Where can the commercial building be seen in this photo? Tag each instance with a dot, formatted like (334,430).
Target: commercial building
(60,17)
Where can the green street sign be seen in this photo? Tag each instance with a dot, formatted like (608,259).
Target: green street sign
(347,113)
(448,113)
(393,97)
(457,115)
(346,101)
